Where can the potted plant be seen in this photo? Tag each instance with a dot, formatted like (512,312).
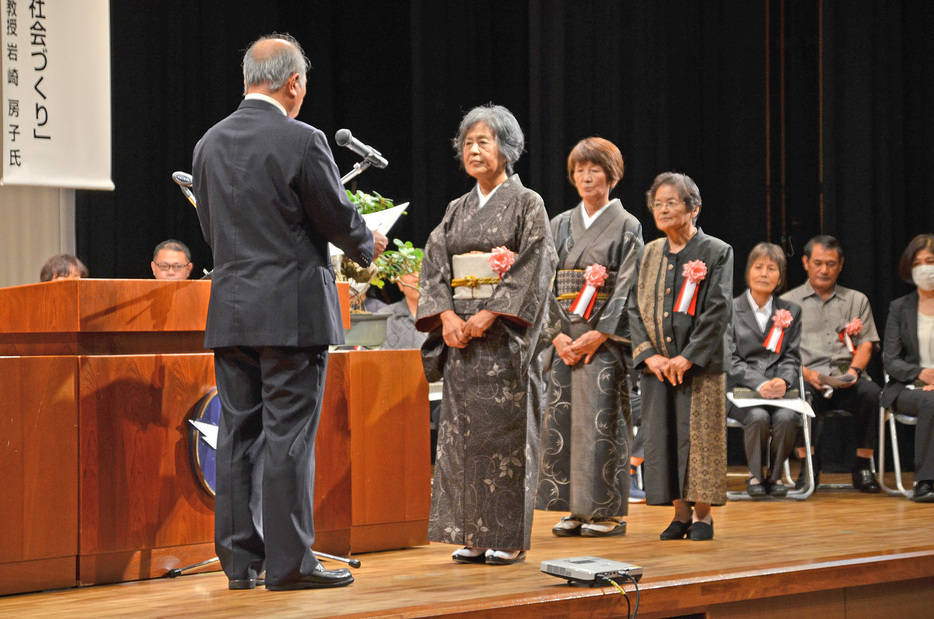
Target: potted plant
(369,329)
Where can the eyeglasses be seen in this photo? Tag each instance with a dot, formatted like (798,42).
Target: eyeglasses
(165,267)
(671,205)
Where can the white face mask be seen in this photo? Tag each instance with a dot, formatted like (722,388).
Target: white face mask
(923,276)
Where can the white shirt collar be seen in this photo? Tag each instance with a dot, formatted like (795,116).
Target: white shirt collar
(588,219)
(763,313)
(261,97)
(486,198)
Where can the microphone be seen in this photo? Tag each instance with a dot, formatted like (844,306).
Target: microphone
(346,139)
(183,180)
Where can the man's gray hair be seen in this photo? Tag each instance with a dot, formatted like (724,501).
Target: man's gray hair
(273,70)
(509,137)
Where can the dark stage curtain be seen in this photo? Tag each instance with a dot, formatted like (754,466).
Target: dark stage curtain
(794,118)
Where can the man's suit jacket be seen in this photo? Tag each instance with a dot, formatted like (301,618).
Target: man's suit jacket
(269,200)
(901,355)
(753,364)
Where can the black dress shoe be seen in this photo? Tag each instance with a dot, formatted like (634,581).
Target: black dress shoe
(701,531)
(803,478)
(756,491)
(236,584)
(924,492)
(676,530)
(318,579)
(865,481)
(778,490)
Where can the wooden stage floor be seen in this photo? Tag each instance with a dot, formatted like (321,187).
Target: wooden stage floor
(838,554)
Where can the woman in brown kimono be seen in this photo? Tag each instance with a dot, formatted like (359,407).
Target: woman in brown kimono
(485,335)
(587,429)
(679,323)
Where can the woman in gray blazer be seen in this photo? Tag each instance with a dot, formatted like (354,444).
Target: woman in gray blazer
(766,362)
(908,356)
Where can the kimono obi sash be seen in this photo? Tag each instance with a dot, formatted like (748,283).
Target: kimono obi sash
(473,277)
(569,283)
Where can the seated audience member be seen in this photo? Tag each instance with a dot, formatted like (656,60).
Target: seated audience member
(62,266)
(400,328)
(171,260)
(838,337)
(766,336)
(908,355)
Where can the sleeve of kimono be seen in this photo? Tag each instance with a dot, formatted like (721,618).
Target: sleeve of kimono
(711,325)
(614,318)
(524,288)
(790,361)
(893,353)
(435,294)
(642,348)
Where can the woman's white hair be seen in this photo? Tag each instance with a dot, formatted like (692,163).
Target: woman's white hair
(509,137)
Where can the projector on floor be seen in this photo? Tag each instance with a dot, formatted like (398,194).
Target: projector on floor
(591,570)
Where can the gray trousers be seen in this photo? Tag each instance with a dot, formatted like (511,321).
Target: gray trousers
(270,406)
(759,423)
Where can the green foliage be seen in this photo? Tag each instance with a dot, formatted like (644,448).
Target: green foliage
(369,203)
(394,263)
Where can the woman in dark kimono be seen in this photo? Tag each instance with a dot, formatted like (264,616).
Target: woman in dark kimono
(587,429)
(679,319)
(485,329)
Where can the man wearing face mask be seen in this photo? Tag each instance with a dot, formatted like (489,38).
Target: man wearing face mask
(838,338)
(908,355)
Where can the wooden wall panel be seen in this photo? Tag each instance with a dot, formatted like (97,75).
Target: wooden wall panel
(138,490)
(387,398)
(38,457)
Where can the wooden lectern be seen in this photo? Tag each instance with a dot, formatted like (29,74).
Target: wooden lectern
(101,378)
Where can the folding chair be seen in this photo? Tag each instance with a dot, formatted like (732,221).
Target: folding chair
(890,416)
(803,408)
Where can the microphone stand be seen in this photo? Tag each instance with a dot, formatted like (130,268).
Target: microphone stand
(358,169)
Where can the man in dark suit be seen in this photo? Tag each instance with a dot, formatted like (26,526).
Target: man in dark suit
(269,200)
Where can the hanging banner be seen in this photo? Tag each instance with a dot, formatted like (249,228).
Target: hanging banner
(55,93)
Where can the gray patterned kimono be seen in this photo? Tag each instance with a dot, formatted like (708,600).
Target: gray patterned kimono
(483,491)
(587,428)
(685,426)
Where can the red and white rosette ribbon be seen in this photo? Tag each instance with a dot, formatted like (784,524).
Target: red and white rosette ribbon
(854,327)
(501,260)
(594,277)
(780,322)
(694,272)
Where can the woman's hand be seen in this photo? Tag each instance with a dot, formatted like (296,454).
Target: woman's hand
(453,330)
(677,366)
(773,390)
(477,324)
(927,376)
(658,365)
(587,344)
(563,347)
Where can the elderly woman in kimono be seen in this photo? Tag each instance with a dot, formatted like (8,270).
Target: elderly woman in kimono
(679,320)
(587,430)
(485,282)
(766,362)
